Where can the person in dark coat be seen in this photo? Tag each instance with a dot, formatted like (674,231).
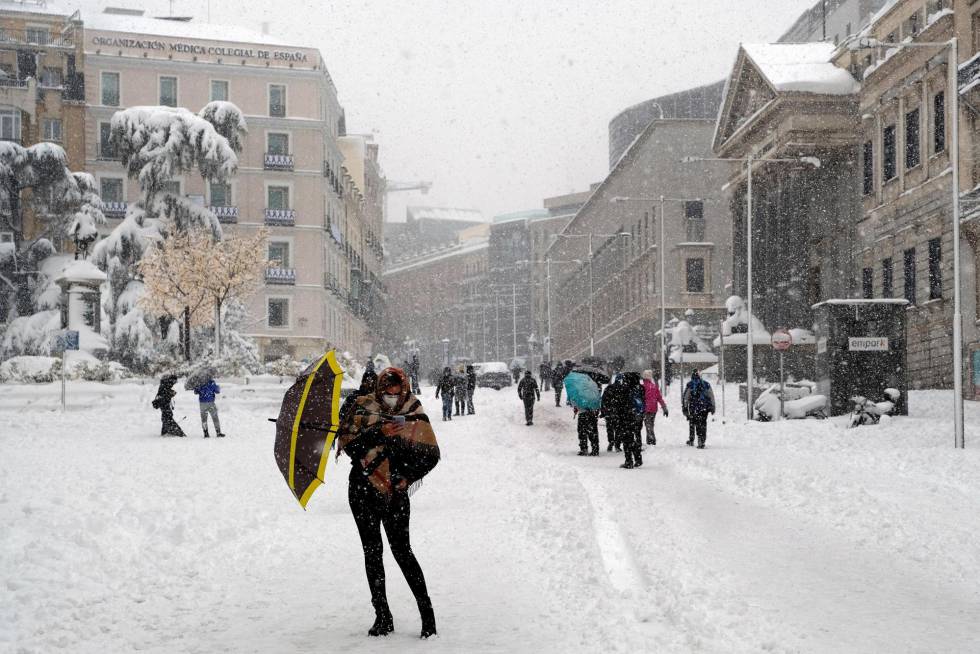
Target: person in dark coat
(557,379)
(545,371)
(698,402)
(470,389)
(630,419)
(164,401)
(516,372)
(614,441)
(447,387)
(528,391)
(569,367)
(413,374)
(459,395)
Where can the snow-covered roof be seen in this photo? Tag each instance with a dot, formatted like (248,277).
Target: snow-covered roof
(885,300)
(29,7)
(801,67)
(445,213)
(475,245)
(533,214)
(183,29)
(82,271)
(693,357)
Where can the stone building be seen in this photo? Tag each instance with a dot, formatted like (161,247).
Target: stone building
(612,300)
(789,102)
(42,91)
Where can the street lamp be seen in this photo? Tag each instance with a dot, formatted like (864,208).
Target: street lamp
(953,93)
(591,288)
(619,199)
(749,161)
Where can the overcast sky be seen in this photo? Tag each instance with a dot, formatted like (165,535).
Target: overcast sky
(500,103)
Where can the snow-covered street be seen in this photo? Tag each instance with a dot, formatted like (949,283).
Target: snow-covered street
(788,537)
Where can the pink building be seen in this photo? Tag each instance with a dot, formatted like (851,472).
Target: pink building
(292,177)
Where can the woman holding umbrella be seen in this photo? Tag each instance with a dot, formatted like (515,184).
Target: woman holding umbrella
(392,446)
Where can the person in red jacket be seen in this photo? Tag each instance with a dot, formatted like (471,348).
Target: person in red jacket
(652,398)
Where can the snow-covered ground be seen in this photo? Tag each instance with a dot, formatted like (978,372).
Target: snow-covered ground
(786,537)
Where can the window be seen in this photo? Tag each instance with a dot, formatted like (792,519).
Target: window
(106,151)
(912,151)
(695,275)
(9,124)
(51,77)
(277,100)
(219,90)
(279,253)
(887,277)
(278,143)
(938,122)
(110,89)
(52,129)
(172,187)
(111,189)
(37,35)
(868,283)
(912,25)
(888,167)
(278,312)
(168,91)
(221,195)
(910,275)
(935,269)
(694,213)
(278,197)
(869,168)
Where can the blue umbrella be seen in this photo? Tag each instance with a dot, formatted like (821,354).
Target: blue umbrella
(582,391)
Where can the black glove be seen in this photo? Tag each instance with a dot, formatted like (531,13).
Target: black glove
(665,412)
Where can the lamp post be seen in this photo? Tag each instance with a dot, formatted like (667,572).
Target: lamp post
(663,274)
(749,162)
(590,235)
(953,93)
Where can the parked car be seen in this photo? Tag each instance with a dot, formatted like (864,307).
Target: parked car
(492,374)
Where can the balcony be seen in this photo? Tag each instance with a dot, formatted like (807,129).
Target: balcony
(278,161)
(225,214)
(280,276)
(116,210)
(280,217)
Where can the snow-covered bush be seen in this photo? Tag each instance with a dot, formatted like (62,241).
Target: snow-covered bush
(30,370)
(284,366)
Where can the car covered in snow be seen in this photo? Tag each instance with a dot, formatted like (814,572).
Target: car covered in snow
(492,374)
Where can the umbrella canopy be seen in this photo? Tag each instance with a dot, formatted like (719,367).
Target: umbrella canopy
(200,377)
(582,391)
(596,374)
(307,425)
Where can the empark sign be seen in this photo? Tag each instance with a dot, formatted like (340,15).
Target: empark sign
(198,49)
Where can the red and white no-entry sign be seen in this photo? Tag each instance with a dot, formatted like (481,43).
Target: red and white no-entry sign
(781,340)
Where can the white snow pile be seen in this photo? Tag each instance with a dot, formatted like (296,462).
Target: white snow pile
(738,317)
(686,345)
(801,67)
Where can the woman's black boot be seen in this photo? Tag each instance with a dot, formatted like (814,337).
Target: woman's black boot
(428,621)
(384,624)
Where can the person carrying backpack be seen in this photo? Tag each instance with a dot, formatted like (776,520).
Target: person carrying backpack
(529,393)
(698,402)
(164,401)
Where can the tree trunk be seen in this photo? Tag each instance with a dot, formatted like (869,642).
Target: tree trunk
(187,333)
(217,328)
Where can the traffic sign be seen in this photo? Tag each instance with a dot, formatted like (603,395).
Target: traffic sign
(781,340)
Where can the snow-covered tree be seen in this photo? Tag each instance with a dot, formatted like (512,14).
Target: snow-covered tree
(157,144)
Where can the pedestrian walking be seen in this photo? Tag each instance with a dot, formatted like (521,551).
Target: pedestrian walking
(206,394)
(652,398)
(413,373)
(529,393)
(515,371)
(470,389)
(447,387)
(164,401)
(459,393)
(622,405)
(588,432)
(545,371)
(698,402)
(391,445)
(569,367)
(557,379)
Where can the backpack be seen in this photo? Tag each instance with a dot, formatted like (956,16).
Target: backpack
(698,402)
(639,400)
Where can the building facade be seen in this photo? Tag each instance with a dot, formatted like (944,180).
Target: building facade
(294,179)
(42,92)
(610,302)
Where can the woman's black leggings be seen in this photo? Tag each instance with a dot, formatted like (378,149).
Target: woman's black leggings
(370,512)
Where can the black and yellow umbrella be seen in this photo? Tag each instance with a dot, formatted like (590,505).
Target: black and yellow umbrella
(307,426)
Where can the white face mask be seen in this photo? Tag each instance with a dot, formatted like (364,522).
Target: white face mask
(391,400)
